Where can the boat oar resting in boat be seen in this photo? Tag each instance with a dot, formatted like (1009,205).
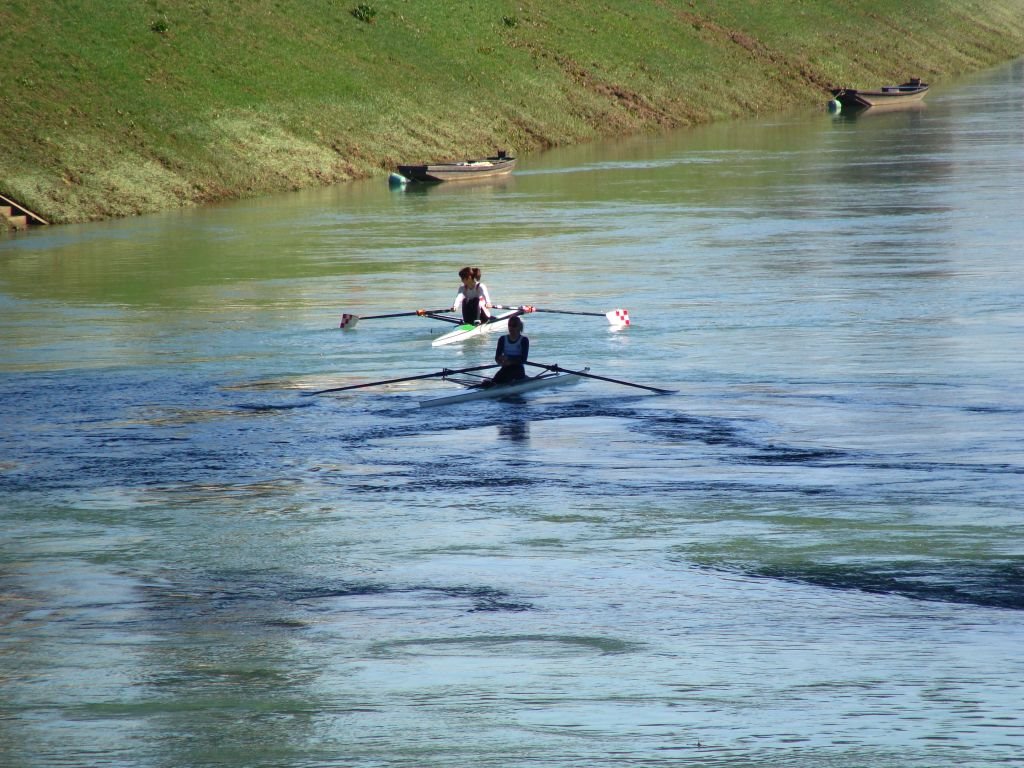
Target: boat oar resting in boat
(479,387)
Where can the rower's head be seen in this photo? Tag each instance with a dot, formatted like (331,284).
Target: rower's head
(470,273)
(515,324)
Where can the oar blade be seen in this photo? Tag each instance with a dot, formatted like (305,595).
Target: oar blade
(348,322)
(618,318)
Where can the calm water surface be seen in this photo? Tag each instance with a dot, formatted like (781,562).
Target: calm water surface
(811,555)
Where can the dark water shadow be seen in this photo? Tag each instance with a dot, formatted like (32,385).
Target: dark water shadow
(283,600)
(998,584)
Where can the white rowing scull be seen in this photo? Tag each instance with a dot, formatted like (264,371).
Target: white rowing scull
(481,392)
(466,331)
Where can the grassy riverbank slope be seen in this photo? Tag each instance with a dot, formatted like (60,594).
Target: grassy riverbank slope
(128,106)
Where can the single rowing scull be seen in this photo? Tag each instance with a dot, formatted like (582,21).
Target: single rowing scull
(467,331)
(529,384)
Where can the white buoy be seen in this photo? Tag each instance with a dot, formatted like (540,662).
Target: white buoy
(397,180)
(835,106)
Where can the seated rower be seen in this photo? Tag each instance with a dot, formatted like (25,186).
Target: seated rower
(512,353)
(472,300)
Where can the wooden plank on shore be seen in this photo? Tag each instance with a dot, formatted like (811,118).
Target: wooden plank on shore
(36,218)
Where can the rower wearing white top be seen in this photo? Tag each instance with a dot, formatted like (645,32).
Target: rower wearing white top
(512,353)
(472,300)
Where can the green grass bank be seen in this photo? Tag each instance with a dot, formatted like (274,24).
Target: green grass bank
(123,107)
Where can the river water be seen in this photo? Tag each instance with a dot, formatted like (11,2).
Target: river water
(811,555)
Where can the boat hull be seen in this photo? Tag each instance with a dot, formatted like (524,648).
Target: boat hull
(543,381)
(465,332)
(468,170)
(907,93)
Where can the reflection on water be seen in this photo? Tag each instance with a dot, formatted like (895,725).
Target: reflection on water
(809,555)
(466,189)
(856,113)
(516,430)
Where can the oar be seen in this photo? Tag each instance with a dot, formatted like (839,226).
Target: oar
(615,317)
(444,372)
(348,321)
(556,368)
(444,318)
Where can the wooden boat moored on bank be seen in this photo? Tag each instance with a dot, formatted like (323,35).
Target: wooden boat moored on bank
(464,170)
(906,93)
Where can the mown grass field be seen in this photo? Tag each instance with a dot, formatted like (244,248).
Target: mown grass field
(124,107)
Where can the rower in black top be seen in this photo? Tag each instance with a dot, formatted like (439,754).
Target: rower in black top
(512,353)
